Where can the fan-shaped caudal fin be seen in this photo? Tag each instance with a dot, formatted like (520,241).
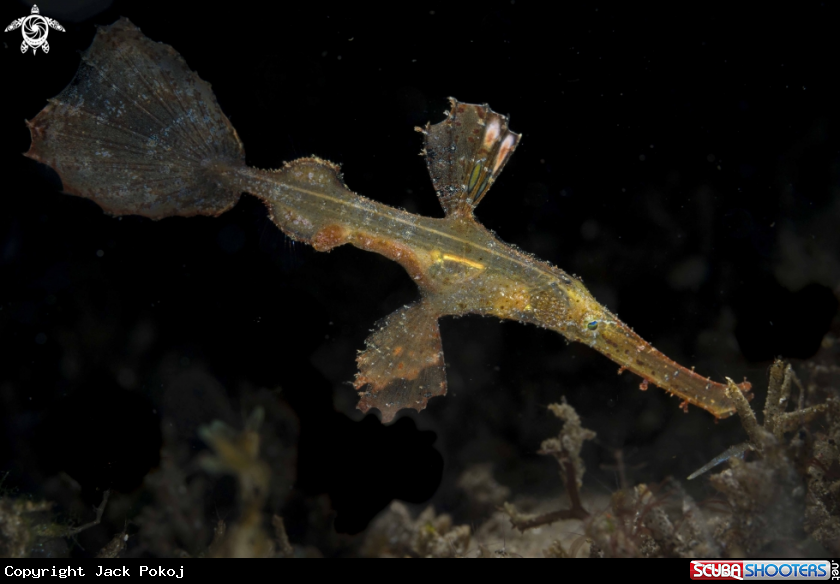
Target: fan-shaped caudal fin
(465,153)
(402,364)
(137,131)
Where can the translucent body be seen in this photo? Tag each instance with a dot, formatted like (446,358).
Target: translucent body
(140,133)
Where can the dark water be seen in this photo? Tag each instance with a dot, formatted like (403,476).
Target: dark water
(685,163)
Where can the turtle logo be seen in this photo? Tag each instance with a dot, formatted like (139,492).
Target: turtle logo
(35,28)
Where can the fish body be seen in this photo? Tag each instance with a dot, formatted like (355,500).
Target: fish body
(140,133)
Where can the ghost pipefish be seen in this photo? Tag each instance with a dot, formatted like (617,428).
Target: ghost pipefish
(140,133)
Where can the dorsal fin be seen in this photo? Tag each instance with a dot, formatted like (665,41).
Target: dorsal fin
(465,153)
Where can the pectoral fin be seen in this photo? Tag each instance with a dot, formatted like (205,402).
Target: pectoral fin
(402,364)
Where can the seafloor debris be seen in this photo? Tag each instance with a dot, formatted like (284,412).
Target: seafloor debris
(29,529)
(789,490)
(396,533)
(566,449)
(784,500)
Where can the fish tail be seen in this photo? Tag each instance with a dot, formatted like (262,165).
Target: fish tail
(138,132)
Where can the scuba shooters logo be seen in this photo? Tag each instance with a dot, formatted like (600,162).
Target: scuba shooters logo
(716,570)
(762,570)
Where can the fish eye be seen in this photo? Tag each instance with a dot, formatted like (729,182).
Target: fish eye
(592,325)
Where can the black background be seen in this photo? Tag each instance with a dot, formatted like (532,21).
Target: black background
(684,161)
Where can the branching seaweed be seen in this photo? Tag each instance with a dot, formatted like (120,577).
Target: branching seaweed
(28,528)
(787,491)
(566,449)
(771,504)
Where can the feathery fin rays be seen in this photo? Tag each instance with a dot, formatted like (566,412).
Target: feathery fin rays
(402,364)
(137,131)
(465,153)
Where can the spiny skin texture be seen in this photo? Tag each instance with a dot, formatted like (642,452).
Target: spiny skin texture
(139,133)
